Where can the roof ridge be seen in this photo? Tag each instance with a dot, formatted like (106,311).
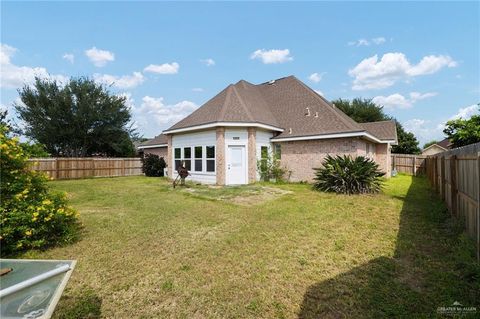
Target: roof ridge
(227,99)
(242,103)
(332,108)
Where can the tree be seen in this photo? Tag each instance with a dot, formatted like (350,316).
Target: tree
(429,143)
(362,110)
(81,118)
(365,110)
(462,132)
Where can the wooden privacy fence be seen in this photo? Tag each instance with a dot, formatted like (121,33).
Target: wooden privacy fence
(455,175)
(409,164)
(84,167)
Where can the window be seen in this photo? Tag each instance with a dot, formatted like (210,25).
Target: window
(187,158)
(278,151)
(210,150)
(178,157)
(198,158)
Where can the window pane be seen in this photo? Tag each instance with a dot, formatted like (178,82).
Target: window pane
(178,153)
(278,151)
(198,152)
(198,165)
(188,165)
(187,152)
(210,152)
(177,164)
(210,165)
(264,152)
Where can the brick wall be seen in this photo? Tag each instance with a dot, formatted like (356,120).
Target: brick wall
(169,156)
(300,157)
(252,155)
(220,156)
(383,158)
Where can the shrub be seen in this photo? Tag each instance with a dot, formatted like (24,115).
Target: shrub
(31,216)
(270,169)
(153,165)
(347,175)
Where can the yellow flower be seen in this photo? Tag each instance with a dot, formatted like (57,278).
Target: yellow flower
(28,233)
(46,202)
(47,218)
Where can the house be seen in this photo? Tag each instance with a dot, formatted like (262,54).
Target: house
(442,146)
(221,142)
(156,145)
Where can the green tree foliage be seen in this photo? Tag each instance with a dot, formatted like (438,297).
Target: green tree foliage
(462,132)
(81,118)
(429,143)
(364,110)
(31,216)
(347,175)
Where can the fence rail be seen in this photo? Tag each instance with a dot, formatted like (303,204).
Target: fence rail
(84,167)
(455,175)
(409,164)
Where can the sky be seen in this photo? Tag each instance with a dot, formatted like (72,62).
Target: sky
(420,60)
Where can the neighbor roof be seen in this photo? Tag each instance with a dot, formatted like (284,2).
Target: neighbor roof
(445,143)
(157,141)
(287,104)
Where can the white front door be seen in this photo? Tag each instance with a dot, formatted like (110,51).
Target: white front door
(236,165)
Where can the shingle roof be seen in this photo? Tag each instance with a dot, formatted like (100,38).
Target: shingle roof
(445,143)
(283,103)
(157,140)
(384,130)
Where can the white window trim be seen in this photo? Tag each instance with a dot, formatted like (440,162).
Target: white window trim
(193,158)
(335,135)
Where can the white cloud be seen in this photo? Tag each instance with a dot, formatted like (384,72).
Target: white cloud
(208,62)
(99,57)
(319,93)
(14,77)
(379,40)
(154,109)
(69,57)
(372,73)
(466,112)
(166,68)
(427,130)
(197,90)
(121,82)
(399,101)
(366,42)
(316,77)
(272,56)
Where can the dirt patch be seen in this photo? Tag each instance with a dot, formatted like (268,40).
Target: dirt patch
(240,195)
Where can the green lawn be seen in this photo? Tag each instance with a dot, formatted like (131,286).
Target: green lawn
(148,251)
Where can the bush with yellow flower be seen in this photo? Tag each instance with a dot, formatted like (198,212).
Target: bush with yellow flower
(31,215)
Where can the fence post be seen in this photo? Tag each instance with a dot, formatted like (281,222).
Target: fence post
(478,206)
(434,162)
(442,177)
(56,168)
(453,184)
(414,166)
(123,167)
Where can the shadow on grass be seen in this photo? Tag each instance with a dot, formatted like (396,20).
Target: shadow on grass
(433,266)
(85,304)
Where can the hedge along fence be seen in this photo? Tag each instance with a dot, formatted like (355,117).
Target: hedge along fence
(455,175)
(409,164)
(85,167)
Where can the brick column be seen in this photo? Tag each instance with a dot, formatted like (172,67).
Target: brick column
(220,156)
(169,156)
(252,155)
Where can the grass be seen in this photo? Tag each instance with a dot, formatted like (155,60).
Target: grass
(148,251)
